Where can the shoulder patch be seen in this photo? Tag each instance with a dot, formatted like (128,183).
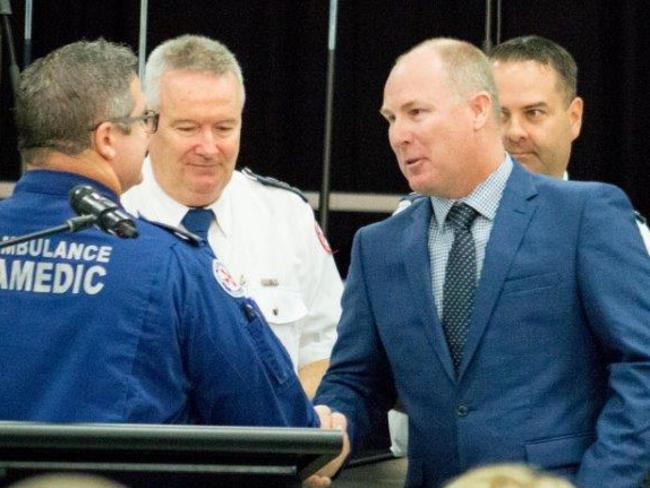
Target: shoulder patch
(269,181)
(180,233)
(225,279)
(640,218)
(322,239)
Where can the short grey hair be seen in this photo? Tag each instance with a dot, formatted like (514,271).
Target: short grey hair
(188,52)
(468,69)
(63,95)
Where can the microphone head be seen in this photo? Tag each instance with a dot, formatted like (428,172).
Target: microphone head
(85,200)
(76,198)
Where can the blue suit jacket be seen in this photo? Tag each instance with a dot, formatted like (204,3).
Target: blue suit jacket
(556,368)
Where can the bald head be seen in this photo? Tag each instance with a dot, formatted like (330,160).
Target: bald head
(443,124)
(466,67)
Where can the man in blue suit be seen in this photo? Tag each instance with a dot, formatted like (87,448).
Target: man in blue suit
(509,312)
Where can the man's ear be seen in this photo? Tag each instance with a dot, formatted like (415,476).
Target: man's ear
(103,140)
(575,116)
(481,106)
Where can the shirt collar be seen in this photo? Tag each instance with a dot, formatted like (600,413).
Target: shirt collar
(168,211)
(54,182)
(484,198)
(222,207)
(173,212)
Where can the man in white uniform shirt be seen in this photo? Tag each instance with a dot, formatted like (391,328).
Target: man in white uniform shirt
(264,232)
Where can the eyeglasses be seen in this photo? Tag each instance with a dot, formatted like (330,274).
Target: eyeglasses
(149,118)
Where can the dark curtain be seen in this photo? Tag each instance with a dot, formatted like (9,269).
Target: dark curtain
(282,46)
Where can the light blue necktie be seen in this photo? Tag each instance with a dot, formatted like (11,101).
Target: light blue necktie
(460,281)
(197,221)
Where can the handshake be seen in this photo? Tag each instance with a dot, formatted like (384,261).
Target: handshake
(330,420)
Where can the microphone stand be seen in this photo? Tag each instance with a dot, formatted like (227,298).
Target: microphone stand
(14,71)
(324,203)
(73,224)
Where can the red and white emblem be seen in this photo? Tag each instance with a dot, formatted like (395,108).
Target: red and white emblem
(225,279)
(323,240)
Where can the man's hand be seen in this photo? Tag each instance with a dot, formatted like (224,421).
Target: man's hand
(330,420)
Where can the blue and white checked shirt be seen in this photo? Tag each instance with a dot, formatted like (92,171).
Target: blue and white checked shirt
(485,200)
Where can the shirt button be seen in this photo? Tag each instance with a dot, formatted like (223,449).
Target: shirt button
(462,410)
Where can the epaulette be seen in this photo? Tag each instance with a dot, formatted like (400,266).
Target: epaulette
(178,232)
(269,181)
(411,197)
(640,218)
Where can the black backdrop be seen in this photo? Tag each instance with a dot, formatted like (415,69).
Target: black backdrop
(282,46)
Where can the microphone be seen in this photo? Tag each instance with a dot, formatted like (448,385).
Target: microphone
(85,200)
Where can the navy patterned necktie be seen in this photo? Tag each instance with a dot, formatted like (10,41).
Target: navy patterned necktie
(460,281)
(197,221)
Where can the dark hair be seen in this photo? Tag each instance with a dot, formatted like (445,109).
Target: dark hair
(64,94)
(543,51)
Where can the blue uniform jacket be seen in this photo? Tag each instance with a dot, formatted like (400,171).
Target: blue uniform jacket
(556,368)
(94,328)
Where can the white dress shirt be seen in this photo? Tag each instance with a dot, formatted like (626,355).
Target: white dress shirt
(269,241)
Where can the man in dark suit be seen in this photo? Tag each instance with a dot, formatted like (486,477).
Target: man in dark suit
(509,311)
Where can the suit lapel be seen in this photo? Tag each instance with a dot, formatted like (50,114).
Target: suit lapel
(515,210)
(418,271)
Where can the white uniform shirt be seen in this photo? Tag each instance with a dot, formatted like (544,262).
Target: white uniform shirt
(269,241)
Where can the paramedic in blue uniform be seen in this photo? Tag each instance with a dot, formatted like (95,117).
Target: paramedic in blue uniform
(100,329)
